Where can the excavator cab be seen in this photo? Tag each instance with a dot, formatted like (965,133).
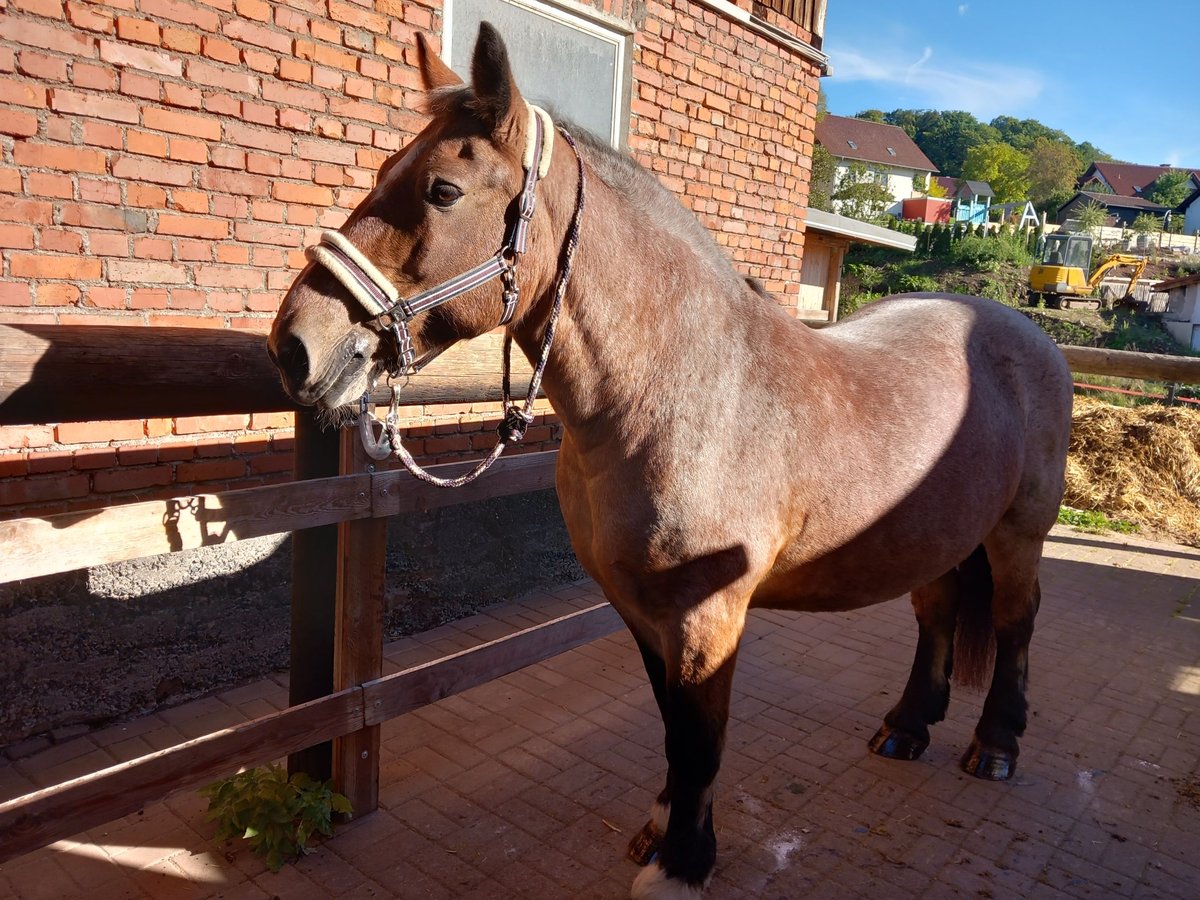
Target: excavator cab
(1062,273)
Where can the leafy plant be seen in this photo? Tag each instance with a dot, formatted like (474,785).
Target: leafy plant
(849,302)
(1146,224)
(914,283)
(1091,215)
(1093,520)
(985,254)
(274,814)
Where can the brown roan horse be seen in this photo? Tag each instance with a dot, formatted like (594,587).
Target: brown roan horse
(718,455)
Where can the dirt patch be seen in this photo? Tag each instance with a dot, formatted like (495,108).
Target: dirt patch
(1188,790)
(1139,463)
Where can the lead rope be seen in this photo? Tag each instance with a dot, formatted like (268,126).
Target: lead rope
(516,419)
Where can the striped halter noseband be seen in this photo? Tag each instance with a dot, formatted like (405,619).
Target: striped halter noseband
(390,313)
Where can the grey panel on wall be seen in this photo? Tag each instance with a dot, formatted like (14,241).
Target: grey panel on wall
(555,63)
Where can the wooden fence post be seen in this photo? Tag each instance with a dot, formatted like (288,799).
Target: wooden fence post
(314,593)
(358,632)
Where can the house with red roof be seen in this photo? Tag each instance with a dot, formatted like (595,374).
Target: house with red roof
(1120,187)
(887,153)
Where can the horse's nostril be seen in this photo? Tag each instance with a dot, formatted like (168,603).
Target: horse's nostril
(293,360)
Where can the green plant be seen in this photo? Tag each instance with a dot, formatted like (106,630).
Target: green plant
(1091,215)
(913,283)
(1093,521)
(275,814)
(986,254)
(1146,224)
(868,276)
(849,302)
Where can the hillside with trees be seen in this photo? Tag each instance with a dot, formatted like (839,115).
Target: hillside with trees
(1019,158)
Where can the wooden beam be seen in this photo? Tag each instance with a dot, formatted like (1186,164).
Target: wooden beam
(47,545)
(398,492)
(73,373)
(63,810)
(358,633)
(1127,364)
(62,543)
(314,593)
(421,685)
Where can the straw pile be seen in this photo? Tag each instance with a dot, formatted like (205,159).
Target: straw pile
(1141,464)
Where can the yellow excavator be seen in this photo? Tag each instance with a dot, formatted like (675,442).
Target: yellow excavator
(1061,278)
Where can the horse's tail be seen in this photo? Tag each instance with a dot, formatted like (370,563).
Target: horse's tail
(975,636)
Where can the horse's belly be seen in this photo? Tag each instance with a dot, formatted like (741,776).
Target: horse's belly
(844,581)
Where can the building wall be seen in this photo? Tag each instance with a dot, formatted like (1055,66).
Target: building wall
(164,162)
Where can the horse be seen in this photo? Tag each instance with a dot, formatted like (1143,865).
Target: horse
(717,454)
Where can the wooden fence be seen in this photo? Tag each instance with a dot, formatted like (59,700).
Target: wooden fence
(337,509)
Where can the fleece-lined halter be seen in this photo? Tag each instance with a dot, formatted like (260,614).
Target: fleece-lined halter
(390,313)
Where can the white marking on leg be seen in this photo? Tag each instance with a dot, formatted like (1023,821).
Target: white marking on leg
(660,815)
(653,883)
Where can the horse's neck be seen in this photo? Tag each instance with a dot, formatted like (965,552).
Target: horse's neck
(648,324)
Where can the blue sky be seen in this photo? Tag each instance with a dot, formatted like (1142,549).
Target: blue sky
(1097,69)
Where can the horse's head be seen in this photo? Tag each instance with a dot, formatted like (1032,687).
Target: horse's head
(441,206)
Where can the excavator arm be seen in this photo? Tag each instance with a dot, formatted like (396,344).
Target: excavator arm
(1119,259)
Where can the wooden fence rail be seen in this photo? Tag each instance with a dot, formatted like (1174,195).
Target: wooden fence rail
(53,374)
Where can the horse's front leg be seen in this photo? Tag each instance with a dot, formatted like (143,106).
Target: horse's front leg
(644,845)
(700,654)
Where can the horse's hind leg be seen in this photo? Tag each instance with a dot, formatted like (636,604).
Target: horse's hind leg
(1016,595)
(905,730)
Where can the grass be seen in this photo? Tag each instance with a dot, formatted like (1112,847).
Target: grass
(1094,521)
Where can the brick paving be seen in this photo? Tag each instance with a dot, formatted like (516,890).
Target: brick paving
(531,785)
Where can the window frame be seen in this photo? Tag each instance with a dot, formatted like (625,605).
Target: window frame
(613,31)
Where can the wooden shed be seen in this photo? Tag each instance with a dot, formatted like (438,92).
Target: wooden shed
(829,234)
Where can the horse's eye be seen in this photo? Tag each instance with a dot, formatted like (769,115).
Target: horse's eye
(444,194)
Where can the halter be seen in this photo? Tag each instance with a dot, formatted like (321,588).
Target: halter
(391,313)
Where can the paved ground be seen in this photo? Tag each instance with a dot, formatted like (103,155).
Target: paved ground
(531,785)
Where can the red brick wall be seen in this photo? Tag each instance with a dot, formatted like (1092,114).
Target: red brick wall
(164,162)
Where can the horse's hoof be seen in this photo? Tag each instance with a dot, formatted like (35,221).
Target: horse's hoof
(653,883)
(645,843)
(989,764)
(896,744)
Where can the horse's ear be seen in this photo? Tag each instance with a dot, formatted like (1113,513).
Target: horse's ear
(434,73)
(497,99)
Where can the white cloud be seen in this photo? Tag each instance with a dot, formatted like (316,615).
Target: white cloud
(962,8)
(985,89)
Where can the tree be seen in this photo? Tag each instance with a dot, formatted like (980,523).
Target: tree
(945,137)
(1053,169)
(1024,133)
(1090,153)
(872,115)
(860,196)
(1002,166)
(824,166)
(1170,188)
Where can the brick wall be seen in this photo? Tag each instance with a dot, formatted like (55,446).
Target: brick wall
(164,162)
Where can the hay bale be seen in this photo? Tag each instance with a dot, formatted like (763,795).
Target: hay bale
(1137,463)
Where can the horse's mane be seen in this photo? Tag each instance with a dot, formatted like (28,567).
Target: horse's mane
(645,193)
(628,178)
